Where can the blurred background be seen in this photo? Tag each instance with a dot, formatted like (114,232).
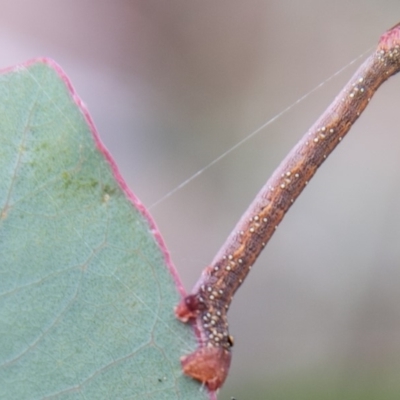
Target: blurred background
(171,85)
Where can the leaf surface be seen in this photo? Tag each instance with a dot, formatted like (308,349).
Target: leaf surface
(87,289)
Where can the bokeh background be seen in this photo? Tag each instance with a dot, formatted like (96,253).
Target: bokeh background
(171,85)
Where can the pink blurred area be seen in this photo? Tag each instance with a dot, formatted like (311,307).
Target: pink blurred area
(171,85)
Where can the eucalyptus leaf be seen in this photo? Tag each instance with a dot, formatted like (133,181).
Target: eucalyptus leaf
(86,286)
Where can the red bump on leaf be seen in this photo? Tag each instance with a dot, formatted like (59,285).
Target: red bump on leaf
(187,308)
(209,365)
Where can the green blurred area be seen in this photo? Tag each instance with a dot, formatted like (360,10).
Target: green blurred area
(359,385)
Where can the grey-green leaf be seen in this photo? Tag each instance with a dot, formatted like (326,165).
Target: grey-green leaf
(86,287)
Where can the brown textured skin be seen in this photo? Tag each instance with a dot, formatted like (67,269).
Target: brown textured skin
(208,304)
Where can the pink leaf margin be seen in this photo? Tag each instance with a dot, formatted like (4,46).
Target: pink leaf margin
(104,151)
(117,175)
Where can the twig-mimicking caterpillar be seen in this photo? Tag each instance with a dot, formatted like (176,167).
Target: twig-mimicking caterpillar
(210,299)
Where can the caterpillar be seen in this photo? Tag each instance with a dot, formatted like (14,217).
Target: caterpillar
(209,301)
